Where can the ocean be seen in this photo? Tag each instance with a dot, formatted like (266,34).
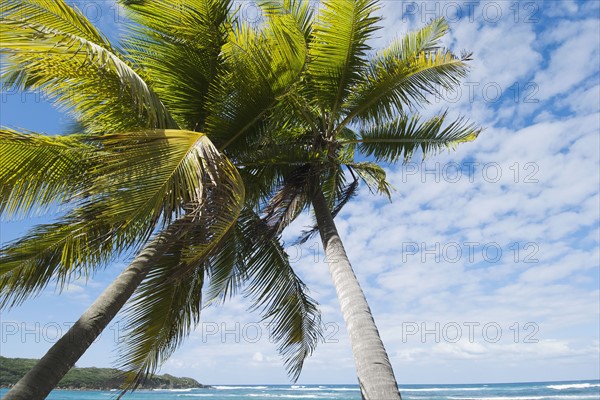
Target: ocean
(572,390)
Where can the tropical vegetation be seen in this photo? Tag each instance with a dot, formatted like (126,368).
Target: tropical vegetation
(300,104)
(13,369)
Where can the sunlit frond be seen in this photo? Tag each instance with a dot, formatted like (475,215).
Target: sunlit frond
(426,39)
(153,174)
(58,252)
(178,45)
(401,76)
(398,139)
(51,47)
(261,65)
(181,21)
(143,180)
(39,171)
(56,14)
(302,11)
(338,50)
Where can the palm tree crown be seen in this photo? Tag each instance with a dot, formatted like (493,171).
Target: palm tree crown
(350,110)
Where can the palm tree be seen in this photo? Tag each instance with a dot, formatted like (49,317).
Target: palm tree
(140,168)
(350,110)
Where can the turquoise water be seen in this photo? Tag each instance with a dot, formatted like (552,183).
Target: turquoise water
(573,390)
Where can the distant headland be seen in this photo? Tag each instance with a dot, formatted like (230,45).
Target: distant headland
(12,369)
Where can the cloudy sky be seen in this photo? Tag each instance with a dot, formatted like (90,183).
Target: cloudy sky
(484,268)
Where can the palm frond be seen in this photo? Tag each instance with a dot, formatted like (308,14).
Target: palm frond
(302,12)
(56,14)
(338,51)
(142,179)
(178,46)
(264,164)
(164,315)
(293,316)
(291,198)
(180,21)
(149,175)
(51,47)
(226,269)
(333,181)
(401,137)
(426,39)
(373,176)
(166,306)
(59,252)
(39,172)
(402,75)
(254,260)
(261,65)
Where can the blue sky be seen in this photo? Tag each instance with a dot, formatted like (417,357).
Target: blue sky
(484,268)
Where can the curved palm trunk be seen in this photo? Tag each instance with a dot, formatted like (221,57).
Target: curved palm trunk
(61,357)
(373,368)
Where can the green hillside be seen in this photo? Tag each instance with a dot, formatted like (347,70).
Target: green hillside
(12,369)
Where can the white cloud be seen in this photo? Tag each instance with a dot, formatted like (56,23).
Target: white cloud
(576,58)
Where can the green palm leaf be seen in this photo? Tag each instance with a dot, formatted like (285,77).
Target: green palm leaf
(166,306)
(401,137)
(149,175)
(301,11)
(59,252)
(163,314)
(180,51)
(293,316)
(404,73)
(338,50)
(143,181)
(261,267)
(51,47)
(56,14)
(38,172)
(373,176)
(260,66)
